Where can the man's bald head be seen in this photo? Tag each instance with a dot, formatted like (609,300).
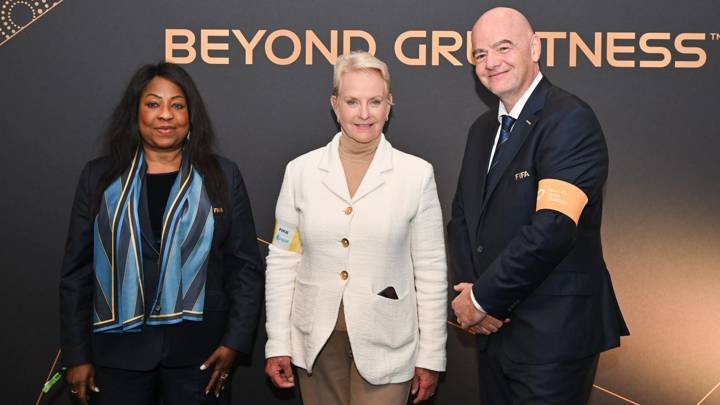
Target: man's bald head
(514,19)
(506,52)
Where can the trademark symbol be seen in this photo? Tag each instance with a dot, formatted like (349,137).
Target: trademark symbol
(715,36)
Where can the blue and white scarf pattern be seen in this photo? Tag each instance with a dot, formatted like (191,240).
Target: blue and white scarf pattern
(187,231)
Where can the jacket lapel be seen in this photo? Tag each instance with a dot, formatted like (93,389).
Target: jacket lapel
(373,179)
(475,170)
(330,163)
(519,134)
(335,179)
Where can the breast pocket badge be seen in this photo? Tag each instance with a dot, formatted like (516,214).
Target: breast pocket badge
(521,175)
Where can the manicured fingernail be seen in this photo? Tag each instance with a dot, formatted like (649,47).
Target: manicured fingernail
(96,389)
(203,367)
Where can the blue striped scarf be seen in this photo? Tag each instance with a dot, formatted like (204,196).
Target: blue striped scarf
(119,302)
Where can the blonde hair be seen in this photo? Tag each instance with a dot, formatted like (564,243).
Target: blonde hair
(359,60)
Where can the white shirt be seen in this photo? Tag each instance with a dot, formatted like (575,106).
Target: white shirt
(515,113)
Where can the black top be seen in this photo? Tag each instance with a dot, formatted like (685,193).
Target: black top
(158,190)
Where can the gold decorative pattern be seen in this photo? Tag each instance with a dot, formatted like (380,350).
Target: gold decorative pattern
(16,15)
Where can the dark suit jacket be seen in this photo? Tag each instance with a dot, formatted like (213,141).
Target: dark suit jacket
(538,268)
(233,290)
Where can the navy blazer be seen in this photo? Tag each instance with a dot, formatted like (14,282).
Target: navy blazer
(233,289)
(537,267)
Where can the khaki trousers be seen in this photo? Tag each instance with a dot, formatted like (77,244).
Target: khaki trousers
(335,379)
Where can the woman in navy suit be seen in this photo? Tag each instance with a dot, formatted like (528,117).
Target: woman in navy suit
(162,281)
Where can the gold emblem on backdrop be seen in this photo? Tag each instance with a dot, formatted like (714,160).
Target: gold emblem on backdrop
(16,15)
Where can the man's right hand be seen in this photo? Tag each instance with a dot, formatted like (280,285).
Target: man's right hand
(488,325)
(280,371)
(81,379)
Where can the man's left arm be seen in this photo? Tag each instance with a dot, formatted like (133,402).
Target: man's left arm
(572,165)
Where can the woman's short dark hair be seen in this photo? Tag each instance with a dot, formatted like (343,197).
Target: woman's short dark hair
(123,138)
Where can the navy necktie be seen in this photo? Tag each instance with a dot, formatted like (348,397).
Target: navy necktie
(507,123)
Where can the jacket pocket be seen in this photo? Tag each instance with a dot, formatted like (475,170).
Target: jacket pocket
(303,305)
(395,321)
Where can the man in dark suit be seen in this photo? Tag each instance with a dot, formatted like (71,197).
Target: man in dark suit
(525,230)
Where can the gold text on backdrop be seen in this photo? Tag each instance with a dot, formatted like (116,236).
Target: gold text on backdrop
(423,48)
(217,40)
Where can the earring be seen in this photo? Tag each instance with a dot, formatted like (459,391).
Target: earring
(187,138)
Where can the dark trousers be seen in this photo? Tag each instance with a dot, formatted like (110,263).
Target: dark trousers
(504,382)
(171,385)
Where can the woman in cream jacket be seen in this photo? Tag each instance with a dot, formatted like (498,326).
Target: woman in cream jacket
(356,274)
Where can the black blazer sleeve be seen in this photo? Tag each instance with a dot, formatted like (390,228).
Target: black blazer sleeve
(76,279)
(243,269)
(573,150)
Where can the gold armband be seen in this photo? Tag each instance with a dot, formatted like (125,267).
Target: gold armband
(287,237)
(561,196)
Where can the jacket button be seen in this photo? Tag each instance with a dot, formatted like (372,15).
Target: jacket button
(348,210)
(344,275)
(480,248)
(345,242)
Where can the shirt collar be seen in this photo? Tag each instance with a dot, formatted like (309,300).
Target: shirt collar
(517,109)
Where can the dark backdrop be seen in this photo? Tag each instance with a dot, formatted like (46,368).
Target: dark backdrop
(65,68)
